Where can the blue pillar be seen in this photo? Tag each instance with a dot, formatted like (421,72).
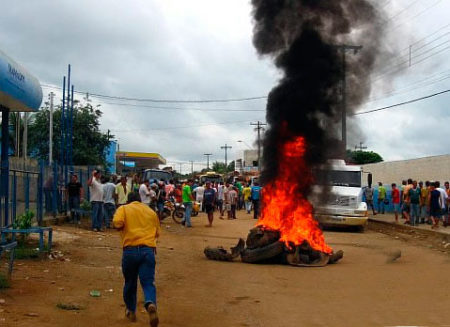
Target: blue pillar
(4,191)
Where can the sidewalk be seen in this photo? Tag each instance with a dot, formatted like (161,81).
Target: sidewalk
(390,220)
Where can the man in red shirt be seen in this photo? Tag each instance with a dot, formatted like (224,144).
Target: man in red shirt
(396,200)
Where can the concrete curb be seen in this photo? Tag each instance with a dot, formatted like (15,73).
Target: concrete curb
(409,229)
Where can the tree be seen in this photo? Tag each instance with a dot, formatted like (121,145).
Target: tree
(89,143)
(218,167)
(363,157)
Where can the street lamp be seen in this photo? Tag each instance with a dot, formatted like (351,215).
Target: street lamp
(248,146)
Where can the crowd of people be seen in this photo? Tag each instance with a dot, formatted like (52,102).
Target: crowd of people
(108,193)
(416,202)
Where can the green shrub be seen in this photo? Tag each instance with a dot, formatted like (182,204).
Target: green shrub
(24,221)
(85,205)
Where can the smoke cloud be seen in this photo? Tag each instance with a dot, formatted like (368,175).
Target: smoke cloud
(303,38)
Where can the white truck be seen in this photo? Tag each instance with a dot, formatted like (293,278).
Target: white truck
(337,196)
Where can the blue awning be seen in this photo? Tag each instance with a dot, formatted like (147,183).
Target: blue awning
(19,90)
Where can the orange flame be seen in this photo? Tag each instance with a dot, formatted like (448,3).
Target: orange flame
(285,207)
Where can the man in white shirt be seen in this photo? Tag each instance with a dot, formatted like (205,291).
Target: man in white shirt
(220,198)
(444,198)
(109,205)
(96,192)
(144,192)
(199,191)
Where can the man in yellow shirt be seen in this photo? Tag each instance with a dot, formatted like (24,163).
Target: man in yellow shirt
(122,191)
(247,192)
(139,229)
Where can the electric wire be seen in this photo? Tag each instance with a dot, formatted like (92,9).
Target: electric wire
(400,104)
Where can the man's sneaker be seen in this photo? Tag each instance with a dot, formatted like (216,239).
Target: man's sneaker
(95,230)
(130,315)
(153,315)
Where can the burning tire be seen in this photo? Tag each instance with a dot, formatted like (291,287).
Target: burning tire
(258,238)
(262,253)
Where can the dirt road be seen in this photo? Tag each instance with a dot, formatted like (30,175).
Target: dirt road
(364,289)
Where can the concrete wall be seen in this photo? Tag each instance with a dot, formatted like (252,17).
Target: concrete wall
(435,168)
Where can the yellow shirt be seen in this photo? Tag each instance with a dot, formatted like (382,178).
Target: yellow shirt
(122,196)
(247,191)
(138,224)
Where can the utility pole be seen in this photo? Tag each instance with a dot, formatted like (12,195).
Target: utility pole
(360,147)
(50,141)
(258,128)
(192,168)
(180,167)
(226,147)
(344,48)
(207,159)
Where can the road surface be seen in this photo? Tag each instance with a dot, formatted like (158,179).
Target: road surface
(364,289)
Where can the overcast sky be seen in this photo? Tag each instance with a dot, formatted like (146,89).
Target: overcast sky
(202,49)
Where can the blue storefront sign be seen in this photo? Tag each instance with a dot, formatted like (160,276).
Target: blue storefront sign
(19,90)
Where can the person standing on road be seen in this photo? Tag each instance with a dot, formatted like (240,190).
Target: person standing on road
(199,192)
(122,191)
(381,197)
(423,201)
(139,231)
(435,205)
(144,192)
(187,202)
(177,193)
(220,198)
(406,201)
(233,196)
(75,194)
(96,191)
(414,197)
(109,205)
(368,192)
(444,200)
(255,196)
(209,198)
(447,191)
(169,188)
(247,192)
(395,200)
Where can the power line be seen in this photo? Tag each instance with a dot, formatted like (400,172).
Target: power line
(103,96)
(401,103)
(179,127)
(183,109)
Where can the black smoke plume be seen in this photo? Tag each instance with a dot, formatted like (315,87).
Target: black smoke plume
(303,38)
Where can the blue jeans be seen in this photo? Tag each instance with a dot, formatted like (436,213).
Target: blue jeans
(108,213)
(74,204)
(138,261)
(187,213)
(414,213)
(248,206)
(97,214)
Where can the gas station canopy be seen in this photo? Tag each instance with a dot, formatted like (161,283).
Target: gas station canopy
(19,90)
(140,160)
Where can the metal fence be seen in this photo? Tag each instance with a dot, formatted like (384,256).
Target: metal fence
(40,188)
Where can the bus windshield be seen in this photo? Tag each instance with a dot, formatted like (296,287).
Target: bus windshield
(157,174)
(338,178)
(211,178)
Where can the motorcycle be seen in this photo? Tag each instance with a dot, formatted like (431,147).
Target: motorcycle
(178,213)
(168,209)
